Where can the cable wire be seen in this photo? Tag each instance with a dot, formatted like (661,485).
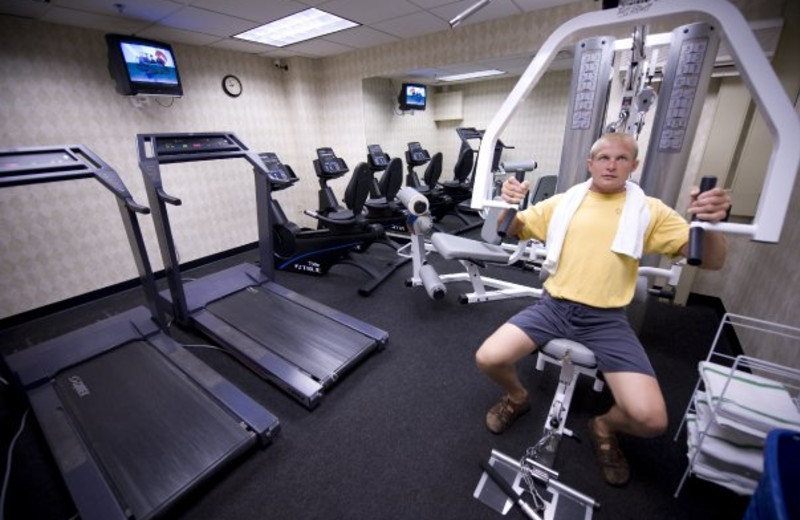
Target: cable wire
(8,465)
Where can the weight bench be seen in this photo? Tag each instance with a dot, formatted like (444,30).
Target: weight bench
(476,254)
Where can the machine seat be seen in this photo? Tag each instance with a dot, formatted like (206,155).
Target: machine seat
(578,354)
(453,247)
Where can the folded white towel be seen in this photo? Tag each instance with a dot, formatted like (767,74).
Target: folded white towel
(725,444)
(711,469)
(629,239)
(754,404)
(721,427)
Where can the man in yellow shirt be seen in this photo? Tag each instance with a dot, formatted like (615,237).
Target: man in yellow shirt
(591,280)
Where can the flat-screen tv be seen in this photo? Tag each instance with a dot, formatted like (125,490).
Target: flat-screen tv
(413,96)
(143,67)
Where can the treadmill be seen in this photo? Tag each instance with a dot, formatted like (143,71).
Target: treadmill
(300,345)
(133,420)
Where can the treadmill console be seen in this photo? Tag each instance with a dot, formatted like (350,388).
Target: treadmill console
(417,155)
(465,133)
(377,160)
(14,161)
(187,144)
(33,165)
(328,165)
(278,174)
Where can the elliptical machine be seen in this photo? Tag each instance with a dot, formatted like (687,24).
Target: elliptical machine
(314,251)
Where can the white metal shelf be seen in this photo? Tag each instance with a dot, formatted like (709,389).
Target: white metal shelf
(736,387)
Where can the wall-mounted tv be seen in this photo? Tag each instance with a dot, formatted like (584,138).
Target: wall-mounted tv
(413,97)
(143,67)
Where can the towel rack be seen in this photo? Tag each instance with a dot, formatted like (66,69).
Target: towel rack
(736,401)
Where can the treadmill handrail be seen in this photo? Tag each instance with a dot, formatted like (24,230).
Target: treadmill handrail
(150,155)
(194,147)
(756,71)
(85,164)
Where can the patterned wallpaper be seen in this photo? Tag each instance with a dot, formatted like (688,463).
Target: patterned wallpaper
(61,240)
(54,88)
(392,129)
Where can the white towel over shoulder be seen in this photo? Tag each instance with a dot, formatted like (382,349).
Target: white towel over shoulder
(632,226)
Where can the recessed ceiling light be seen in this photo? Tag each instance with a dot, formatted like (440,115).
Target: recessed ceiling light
(472,75)
(298,27)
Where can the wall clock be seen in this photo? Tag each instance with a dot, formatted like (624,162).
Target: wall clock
(232,85)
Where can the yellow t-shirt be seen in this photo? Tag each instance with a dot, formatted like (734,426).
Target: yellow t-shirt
(588,271)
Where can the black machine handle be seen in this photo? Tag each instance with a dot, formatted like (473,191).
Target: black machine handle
(697,234)
(515,497)
(169,199)
(136,207)
(502,230)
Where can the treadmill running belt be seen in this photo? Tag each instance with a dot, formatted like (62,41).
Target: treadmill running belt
(313,342)
(154,433)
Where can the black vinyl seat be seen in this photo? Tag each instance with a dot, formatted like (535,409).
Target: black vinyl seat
(441,204)
(460,188)
(332,215)
(429,185)
(380,206)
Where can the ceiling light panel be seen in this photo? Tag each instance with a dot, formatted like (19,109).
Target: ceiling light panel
(305,25)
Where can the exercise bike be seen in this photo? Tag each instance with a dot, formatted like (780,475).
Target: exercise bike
(441,204)
(381,207)
(314,251)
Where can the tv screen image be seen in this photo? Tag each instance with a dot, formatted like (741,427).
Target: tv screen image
(413,97)
(148,64)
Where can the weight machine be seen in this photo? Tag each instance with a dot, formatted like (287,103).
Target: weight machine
(687,73)
(473,255)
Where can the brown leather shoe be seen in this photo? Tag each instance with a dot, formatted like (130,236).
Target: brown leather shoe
(610,458)
(501,415)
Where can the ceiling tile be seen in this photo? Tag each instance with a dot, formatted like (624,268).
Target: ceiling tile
(169,34)
(361,37)
(430,4)
(412,25)
(319,48)
(232,44)
(314,3)
(100,22)
(369,11)
(261,11)
(24,8)
(497,9)
(151,10)
(200,20)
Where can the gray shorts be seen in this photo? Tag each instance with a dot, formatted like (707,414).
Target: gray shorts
(606,332)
